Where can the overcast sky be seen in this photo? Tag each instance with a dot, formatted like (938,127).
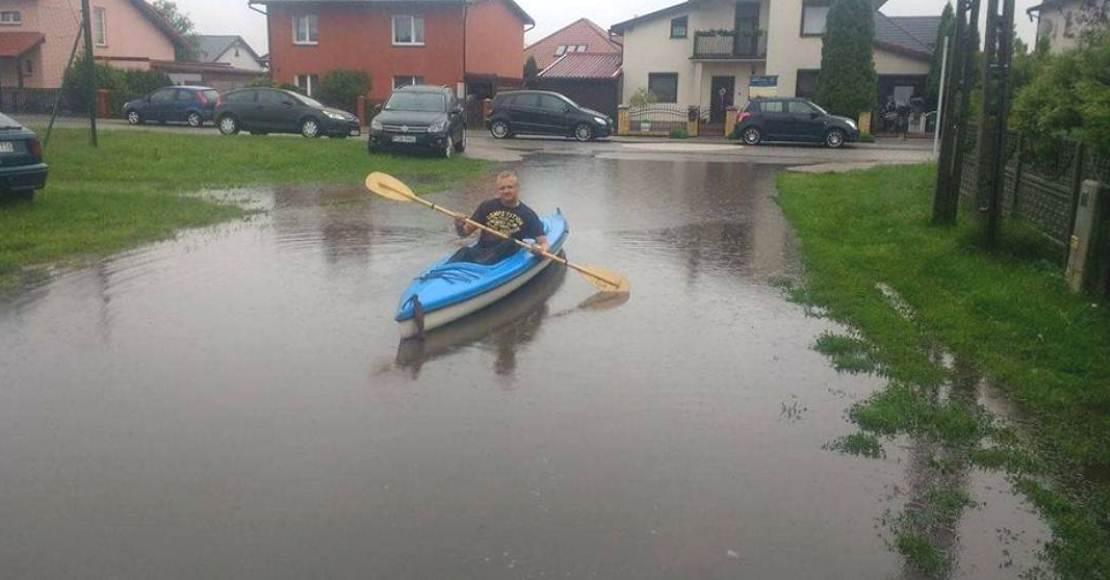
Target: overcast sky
(235,17)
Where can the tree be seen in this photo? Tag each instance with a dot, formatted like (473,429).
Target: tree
(848,84)
(342,88)
(945,30)
(642,97)
(531,71)
(184,26)
(1069,96)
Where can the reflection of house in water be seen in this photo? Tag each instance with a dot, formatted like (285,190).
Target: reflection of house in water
(733,225)
(338,220)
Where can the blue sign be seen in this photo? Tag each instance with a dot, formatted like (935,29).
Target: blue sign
(764,81)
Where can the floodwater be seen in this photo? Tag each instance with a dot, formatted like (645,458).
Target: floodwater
(236,404)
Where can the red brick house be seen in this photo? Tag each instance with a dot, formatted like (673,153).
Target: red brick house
(475,46)
(580,36)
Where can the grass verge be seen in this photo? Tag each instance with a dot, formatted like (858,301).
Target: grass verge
(1008,315)
(132,189)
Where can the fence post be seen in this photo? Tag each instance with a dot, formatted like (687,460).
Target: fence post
(360,110)
(623,127)
(1076,183)
(693,120)
(730,121)
(102,103)
(1084,237)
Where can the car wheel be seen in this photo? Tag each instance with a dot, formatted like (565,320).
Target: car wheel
(752,136)
(461,145)
(448,147)
(583,132)
(500,130)
(194,120)
(834,139)
(310,128)
(134,118)
(229,125)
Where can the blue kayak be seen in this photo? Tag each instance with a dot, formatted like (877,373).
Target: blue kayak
(449,291)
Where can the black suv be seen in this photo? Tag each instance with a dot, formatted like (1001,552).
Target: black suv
(793,120)
(545,113)
(420,116)
(263,111)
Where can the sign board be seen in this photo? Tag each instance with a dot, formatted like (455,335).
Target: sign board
(763,86)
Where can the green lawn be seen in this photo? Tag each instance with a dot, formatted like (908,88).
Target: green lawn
(1009,316)
(132,189)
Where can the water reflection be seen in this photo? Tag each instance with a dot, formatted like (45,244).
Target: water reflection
(504,328)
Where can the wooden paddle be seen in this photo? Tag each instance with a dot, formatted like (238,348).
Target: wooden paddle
(394,189)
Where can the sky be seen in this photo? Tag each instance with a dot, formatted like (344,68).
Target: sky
(235,17)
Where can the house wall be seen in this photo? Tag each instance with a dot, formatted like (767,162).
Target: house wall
(787,50)
(129,34)
(494,40)
(1059,25)
(891,63)
(244,61)
(359,37)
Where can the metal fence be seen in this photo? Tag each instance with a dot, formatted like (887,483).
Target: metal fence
(29,101)
(657,117)
(1041,183)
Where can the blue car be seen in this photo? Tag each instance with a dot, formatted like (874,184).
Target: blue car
(21,168)
(193,106)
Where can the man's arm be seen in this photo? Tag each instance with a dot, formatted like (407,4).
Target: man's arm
(540,246)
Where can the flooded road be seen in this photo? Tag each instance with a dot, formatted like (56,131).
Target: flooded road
(235,404)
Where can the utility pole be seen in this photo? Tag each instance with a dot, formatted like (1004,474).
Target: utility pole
(959,81)
(940,101)
(997,57)
(90,68)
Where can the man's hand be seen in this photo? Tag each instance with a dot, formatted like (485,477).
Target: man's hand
(538,249)
(461,227)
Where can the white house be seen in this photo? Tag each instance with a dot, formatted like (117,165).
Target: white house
(705,52)
(230,50)
(1062,22)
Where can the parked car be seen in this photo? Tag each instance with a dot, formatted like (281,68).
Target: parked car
(793,120)
(193,106)
(420,116)
(545,113)
(21,168)
(263,111)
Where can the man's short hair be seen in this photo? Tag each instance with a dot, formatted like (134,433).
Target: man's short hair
(508,175)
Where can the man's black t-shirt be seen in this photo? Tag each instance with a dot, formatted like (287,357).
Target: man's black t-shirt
(519,222)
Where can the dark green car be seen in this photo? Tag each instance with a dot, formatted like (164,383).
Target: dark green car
(21,168)
(261,111)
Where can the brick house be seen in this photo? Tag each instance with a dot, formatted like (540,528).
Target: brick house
(580,36)
(475,46)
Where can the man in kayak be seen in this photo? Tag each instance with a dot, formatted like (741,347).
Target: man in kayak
(506,214)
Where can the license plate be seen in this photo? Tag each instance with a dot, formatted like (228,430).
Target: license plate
(7,147)
(397,139)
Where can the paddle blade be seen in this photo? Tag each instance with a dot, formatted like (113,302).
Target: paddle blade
(389,187)
(605,280)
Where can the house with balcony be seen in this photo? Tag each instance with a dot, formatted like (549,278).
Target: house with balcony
(706,53)
(1060,23)
(474,46)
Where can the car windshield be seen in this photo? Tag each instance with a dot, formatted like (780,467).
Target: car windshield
(421,102)
(819,109)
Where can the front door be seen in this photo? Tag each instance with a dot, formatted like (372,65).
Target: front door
(552,116)
(161,101)
(723,92)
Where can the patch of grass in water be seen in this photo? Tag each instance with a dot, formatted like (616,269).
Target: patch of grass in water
(920,552)
(848,354)
(859,444)
(901,408)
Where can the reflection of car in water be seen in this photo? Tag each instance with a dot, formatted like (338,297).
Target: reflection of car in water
(506,325)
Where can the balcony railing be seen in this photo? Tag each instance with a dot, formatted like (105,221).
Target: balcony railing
(731,45)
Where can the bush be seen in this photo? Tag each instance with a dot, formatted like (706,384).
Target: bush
(679,133)
(642,97)
(263,82)
(291,87)
(866,138)
(848,84)
(342,88)
(122,86)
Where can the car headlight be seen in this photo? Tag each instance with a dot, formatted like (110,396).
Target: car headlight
(852,124)
(376,125)
(334,115)
(437,127)
(601,121)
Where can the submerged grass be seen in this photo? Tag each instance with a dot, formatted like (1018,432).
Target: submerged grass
(1007,314)
(132,189)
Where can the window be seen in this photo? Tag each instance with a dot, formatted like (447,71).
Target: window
(240,97)
(408,30)
(550,103)
(11,18)
(679,26)
(407,81)
(561,50)
(184,96)
(306,29)
(807,84)
(28,67)
(236,52)
(814,14)
(100,27)
(582,47)
(163,96)
(799,108)
(664,86)
(308,84)
(770,107)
